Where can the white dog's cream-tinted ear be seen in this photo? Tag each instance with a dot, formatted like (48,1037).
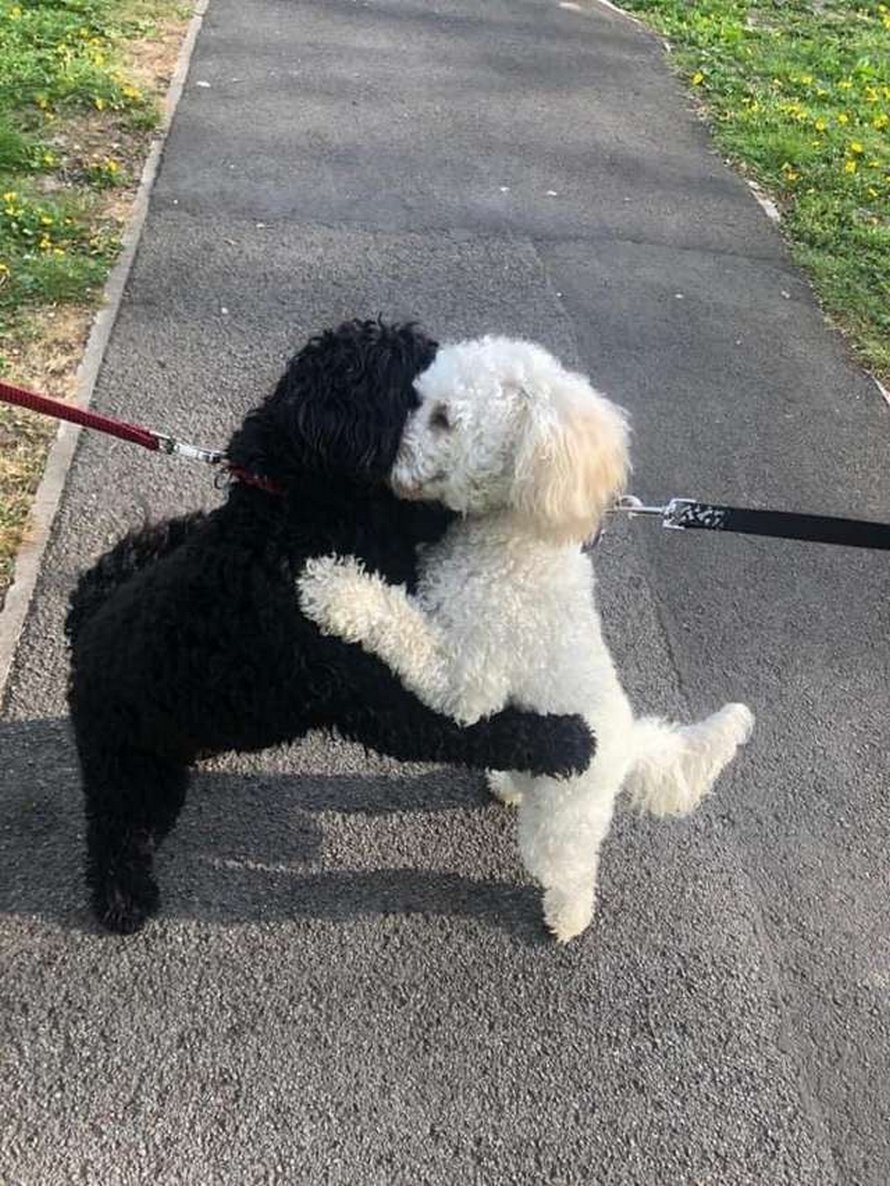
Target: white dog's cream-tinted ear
(572,460)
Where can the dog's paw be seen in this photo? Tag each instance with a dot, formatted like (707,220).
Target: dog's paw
(341,597)
(567,913)
(124,906)
(503,788)
(738,722)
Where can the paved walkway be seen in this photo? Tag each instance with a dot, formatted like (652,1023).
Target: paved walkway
(348,984)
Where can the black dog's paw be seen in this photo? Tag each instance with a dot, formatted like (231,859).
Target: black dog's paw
(124,904)
(552,745)
(568,748)
(573,745)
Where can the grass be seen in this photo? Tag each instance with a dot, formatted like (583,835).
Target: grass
(79,87)
(798,96)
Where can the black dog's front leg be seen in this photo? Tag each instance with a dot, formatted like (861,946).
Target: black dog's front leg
(379,712)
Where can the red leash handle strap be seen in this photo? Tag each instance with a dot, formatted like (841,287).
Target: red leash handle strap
(10,394)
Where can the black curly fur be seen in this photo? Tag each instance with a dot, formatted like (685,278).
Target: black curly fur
(135,550)
(187,638)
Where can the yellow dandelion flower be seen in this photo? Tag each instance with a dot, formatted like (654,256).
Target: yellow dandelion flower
(10,196)
(698,78)
(856,148)
(821,125)
(872,192)
(806,79)
(45,220)
(849,166)
(111,165)
(880,121)
(45,243)
(845,85)
(843,118)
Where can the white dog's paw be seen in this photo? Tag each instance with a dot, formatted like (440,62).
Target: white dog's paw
(503,787)
(341,597)
(567,913)
(738,722)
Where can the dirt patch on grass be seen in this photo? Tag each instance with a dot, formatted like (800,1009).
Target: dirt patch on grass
(52,350)
(151,62)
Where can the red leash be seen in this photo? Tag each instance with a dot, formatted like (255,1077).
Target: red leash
(146,437)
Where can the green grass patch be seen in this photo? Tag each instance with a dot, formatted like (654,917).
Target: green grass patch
(68,112)
(64,52)
(798,95)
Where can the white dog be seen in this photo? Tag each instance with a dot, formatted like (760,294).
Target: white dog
(531,456)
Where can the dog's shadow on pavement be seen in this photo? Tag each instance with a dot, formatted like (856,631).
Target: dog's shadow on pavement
(252,847)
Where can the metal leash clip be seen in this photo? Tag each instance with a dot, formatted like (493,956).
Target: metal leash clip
(168,444)
(671,513)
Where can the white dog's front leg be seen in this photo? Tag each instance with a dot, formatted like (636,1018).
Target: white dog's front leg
(358,606)
(561,828)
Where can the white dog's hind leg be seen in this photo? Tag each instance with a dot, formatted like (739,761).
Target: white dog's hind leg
(675,766)
(561,828)
(503,786)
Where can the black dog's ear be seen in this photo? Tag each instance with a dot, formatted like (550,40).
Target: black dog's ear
(340,407)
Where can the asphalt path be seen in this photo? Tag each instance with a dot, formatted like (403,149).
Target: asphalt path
(349,982)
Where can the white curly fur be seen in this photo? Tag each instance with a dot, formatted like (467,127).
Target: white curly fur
(531,456)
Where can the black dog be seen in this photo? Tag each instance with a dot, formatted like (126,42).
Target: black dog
(187,637)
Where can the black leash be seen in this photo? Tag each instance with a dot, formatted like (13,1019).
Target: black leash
(685,514)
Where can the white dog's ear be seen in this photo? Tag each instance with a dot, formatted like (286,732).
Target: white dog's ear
(572,460)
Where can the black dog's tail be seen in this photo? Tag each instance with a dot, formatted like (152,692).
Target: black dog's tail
(128,556)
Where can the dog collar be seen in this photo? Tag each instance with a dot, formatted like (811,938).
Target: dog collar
(249,479)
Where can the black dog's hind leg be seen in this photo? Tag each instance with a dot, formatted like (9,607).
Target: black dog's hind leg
(132,801)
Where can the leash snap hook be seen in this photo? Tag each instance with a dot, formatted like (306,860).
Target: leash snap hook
(633,506)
